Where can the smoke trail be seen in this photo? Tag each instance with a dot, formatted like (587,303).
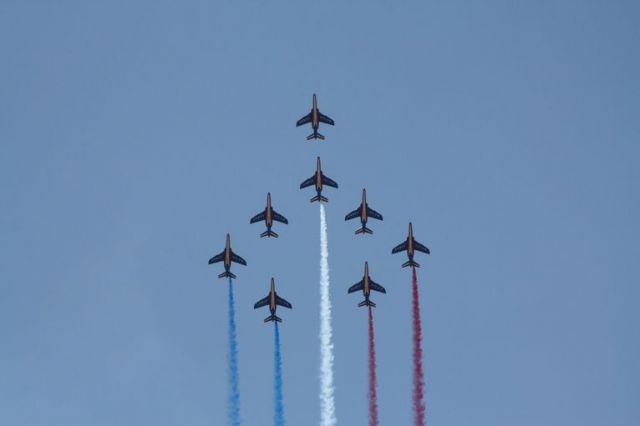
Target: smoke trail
(418,376)
(278,417)
(234,394)
(327,406)
(373,396)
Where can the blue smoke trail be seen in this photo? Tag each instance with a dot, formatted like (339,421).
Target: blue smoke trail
(234,394)
(278,416)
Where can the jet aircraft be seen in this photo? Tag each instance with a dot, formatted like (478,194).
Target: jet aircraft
(410,245)
(269,215)
(364,212)
(272,300)
(315,118)
(319,180)
(366,285)
(227,256)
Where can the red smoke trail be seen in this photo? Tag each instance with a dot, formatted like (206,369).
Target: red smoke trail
(418,376)
(373,397)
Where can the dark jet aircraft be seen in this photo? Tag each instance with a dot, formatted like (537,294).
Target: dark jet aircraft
(273,300)
(315,118)
(227,256)
(364,212)
(269,215)
(319,179)
(410,245)
(366,285)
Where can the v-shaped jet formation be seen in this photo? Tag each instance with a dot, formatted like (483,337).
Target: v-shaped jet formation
(315,117)
(366,285)
(319,180)
(273,300)
(269,215)
(410,245)
(364,212)
(227,256)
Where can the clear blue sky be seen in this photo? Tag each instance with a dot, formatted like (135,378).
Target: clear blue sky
(134,135)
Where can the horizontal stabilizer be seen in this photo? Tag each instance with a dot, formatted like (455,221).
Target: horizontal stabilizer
(268,233)
(320,198)
(227,274)
(315,135)
(364,230)
(273,318)
(411,263)
(367,302)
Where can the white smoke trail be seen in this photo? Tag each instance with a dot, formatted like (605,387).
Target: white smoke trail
(327,405)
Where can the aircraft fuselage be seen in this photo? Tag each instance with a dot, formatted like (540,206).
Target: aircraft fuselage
(366,285)
(410,249)
(227,254)
(272,297)
(315,115)
(318,177)
(268,216)
(363,209)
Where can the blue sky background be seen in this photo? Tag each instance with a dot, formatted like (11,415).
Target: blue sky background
(134,135)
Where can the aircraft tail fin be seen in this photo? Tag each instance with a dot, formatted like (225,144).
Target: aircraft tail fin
(269,233)
(367,302)
(364,230)
(227,274)
(411,262)
(315,135)
(273,318)
(320,198)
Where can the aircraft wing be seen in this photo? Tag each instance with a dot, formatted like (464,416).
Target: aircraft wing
(324,119)
(329,182)
(304,120)
(400,247)
(377,287)
(420,247)
(353,214)
(280,301)
(262,302)
(308,182)
(374,214)
(217,258)
(278,217)
(356,287)
(257,218)
(238,259)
